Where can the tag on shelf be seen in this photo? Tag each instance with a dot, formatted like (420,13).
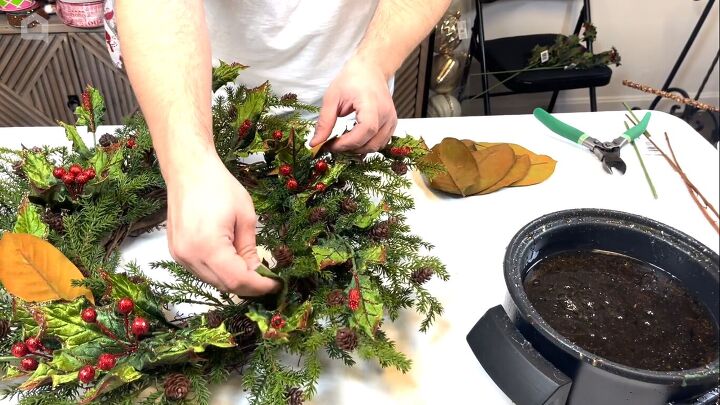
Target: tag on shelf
(544,56)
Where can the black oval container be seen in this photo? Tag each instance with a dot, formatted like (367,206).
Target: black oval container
(533,364)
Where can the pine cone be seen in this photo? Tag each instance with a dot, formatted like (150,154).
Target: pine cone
(18,169)
(421,276)
(107,140)
(242,326)
(289,98)
(317,214)
(137,280)
(399,167)
(283,255)
(294,396)
(214,319)
(4,328)
(348,205)
(232,112)
(381,230)
(346,339)
(177,386)
(55,221)
(335,298)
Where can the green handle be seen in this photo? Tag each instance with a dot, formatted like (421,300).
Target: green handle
(559,127)
(634,132)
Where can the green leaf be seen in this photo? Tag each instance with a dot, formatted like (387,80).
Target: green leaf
(12,372)
(374,254)
(82,115)
(260,317)
(145,302)
(38,170)
(370,313)
(332,175)
(266,272)
(253,105)
(29,221)
(122,374)
(63,321)
(98,105)
(300,319)
(72,135)
(100,160)
(330,253)
(225,73)
(371,216)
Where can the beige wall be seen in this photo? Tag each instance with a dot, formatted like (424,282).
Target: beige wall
(648,33)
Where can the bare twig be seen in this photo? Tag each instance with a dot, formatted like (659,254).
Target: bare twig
(674,97)
(687,184)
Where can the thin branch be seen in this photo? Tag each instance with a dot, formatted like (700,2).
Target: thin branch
(675,97)
(642,164)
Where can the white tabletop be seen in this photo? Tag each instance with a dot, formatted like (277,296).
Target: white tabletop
(471,234)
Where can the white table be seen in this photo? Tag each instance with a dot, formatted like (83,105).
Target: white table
(471,234)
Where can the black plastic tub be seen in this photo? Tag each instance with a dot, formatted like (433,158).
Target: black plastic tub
(533,364)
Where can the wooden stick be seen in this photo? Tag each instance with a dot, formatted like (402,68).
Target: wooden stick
(674,97)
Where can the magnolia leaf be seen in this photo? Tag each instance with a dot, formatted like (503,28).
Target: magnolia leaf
(441,181)
(461,166)
(541,168)
(145,302)
(371,216)
(519,150)
(35,271)
(38,170)
(120,375)
(73,136)
(518,171)
(29,221)
(370,313)
(492,165)
(330,253)
(470,144)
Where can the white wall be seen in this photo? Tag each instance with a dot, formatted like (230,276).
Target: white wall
(649,35)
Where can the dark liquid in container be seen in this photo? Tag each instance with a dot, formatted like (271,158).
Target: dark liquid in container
(623,309)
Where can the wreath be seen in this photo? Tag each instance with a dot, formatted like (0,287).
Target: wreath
(79,324)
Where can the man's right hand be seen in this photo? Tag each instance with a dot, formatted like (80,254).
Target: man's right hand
(211,228)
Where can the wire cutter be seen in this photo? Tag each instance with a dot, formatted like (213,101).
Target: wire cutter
(607,152)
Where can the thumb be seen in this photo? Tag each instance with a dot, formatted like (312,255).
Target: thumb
(245,244)
(326,120)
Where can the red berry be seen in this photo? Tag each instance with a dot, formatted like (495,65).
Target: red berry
(140,326)
(86,375)
(125,306)
(321,166)
(285,170)
(75,169)
(292,185)
(33,344)
(59,172)
(131,143)
(68,179)
(106,361)
(277,321)
(28,364)
(405,150)
(395,151)
(320,187)
(354,299)
(82,179)
(244,128)
(90,173)
(19,349)
(277,135)
(89,315)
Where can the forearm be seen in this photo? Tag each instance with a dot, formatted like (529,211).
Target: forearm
(396,29)
(166,51)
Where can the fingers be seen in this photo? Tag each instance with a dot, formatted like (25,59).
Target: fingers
(235,274)
(244,242)
(326,120)
(373,131)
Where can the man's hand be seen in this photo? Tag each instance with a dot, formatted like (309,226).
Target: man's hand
(211,228)
(360,87)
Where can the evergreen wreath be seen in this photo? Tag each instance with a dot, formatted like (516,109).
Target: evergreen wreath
(78,325)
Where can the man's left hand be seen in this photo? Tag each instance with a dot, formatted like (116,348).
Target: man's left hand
(361,88)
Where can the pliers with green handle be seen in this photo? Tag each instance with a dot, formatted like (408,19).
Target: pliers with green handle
(607,152)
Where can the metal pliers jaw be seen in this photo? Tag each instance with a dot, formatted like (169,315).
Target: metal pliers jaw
(607,152)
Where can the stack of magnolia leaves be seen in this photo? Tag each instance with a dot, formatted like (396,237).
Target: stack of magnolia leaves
(483,168)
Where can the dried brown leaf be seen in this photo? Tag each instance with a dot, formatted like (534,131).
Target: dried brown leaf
(541,168)
(493,164)
(460,164)
(518,172)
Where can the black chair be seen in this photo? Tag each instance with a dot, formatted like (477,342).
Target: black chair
(511,54)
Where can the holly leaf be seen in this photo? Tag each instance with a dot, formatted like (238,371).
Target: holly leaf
(38,170)
(266,272)
(370,217)
(145,302)
(370,313)
(29,221)
(12,372)
(63,321)
(330,253)
(260,317)
(375,254)
(35,271)
(225,73)
(299,319)
(253,105)
(73,136)
(100,160)
(332,175)
(98,105)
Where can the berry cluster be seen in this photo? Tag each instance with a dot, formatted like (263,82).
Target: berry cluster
(74,178)
(398,154)
(29,351)
(106,361)
(353,299)
(244,129)
(319,168)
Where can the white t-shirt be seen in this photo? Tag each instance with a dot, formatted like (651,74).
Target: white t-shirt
(299,45)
